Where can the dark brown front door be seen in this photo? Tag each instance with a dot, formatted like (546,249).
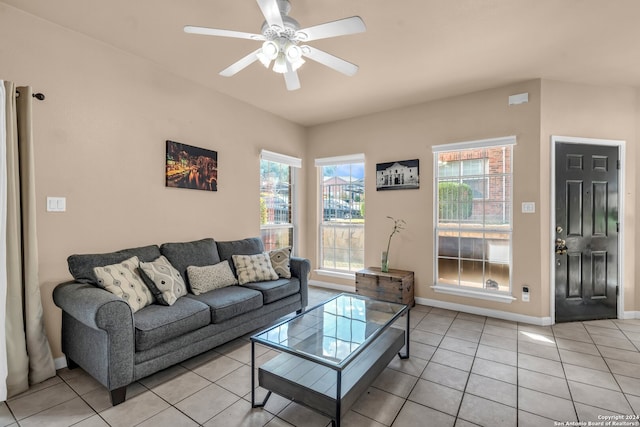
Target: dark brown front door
(586,245)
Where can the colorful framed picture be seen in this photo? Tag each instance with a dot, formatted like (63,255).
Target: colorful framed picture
(191,167)
(399,175)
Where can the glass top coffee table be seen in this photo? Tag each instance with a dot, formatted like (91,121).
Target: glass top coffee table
(331,353)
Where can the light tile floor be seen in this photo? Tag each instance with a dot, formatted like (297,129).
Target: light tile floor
(464,370)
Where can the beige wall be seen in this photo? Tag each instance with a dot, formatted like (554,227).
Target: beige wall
(554,108)
(410,133)
(100,142)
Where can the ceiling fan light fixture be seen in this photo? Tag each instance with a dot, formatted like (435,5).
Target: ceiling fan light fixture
(293,52)
(270,49)
(280,65)
(263,59)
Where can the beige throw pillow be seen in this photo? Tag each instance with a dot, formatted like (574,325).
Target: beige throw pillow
(210,277)
(280,260)
(254,268)
(124,281)
(165,282)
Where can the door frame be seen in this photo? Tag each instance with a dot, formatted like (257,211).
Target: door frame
(555,139)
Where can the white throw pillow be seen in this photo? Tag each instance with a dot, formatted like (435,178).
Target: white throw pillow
(254,268)
(124,281)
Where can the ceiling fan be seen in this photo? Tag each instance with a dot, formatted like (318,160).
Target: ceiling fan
(282,37)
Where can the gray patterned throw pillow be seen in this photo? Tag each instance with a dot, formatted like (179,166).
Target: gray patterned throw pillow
(210,277)
(165,282)
(124,281)
(254,268)
(280,260)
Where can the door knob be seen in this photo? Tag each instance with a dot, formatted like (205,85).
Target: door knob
(561,246)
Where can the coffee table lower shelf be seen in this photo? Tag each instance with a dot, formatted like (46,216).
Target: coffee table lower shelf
(315,386)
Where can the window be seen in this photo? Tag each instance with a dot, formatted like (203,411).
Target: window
(277,204)
(473,173)
(473,226)
(341,232)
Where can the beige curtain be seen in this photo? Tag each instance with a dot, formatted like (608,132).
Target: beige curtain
(29,358)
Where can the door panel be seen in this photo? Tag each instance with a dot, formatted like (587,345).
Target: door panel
(587,237)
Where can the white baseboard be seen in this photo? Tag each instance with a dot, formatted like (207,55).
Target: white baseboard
(498,314)
(631,315)
(60,362)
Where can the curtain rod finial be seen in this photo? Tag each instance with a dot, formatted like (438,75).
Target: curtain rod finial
(39,96)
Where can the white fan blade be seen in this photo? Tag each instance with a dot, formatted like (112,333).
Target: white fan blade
(222,33)
(341,27)
(291,78)
(241,64)
(271,12)
(329,60)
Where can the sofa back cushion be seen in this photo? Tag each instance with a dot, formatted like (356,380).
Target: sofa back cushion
(81,266)
(249,246)
(182,255)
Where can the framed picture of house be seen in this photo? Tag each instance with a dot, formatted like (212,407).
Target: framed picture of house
(398,175)
(191,167)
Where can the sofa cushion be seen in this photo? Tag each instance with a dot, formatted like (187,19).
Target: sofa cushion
(198,253)
(210,277)
(155,324)
(123,280)
(281,260)
(81,266)
(275,290)
(254,268)
(249,246)
(227,303)
(163,280)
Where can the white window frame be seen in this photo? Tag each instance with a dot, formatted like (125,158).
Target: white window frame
(319,163)
(295,164)
(460,290)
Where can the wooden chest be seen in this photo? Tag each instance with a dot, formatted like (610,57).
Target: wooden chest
(394,286)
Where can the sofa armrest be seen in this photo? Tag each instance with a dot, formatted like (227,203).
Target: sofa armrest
(97,332)
(300,268)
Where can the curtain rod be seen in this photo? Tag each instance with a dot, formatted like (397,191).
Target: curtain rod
(39,96)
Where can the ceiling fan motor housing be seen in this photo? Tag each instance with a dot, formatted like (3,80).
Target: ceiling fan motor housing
(291,27)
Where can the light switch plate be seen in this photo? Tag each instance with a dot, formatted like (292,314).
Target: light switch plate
(56,204)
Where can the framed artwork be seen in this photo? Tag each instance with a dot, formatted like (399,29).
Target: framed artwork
(191,167)
(399,175)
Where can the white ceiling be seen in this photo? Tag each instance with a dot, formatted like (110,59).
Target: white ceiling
(413,50)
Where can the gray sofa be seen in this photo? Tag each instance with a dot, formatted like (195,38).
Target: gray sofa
(117,347)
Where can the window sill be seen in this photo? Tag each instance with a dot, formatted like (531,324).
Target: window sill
(336,274)
(469,293)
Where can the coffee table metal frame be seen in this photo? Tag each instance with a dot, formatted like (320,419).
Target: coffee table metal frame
(337,367)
